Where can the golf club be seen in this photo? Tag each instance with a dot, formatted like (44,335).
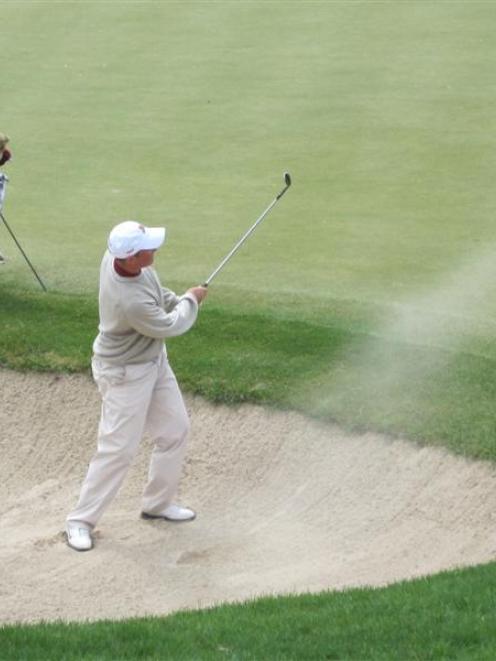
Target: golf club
(287,181)
(3,182)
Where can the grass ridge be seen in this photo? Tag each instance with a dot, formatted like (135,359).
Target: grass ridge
(335,372)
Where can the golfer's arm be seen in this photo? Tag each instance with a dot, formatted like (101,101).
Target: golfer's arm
(151,320)
(170,299)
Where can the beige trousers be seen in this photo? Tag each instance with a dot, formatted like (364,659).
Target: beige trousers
(135,399)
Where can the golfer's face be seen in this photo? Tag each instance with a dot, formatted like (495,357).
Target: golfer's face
(145,257)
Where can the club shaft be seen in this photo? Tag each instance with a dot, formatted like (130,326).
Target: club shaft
(244,237)
(22,252)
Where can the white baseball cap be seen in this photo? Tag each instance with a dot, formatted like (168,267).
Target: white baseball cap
(129,237)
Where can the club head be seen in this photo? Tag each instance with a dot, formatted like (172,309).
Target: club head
(287,179)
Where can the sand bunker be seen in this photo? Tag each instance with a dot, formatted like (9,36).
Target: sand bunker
(285,504)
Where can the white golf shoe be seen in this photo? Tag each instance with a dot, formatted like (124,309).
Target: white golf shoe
(172,513)
(78,537)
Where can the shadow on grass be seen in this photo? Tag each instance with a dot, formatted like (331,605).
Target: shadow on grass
(46,332)
(236,357)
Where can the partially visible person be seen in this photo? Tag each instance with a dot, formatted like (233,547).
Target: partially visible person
(138,388)
(5,156)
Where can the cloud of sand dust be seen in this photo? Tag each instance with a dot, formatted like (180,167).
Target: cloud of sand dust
(459,308)
(458,313)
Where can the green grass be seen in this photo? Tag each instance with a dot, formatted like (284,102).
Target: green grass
(47,333)
(187,113)
(449,616)
(367,296)
(369,293)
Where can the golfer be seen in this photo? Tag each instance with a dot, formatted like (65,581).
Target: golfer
(138,388)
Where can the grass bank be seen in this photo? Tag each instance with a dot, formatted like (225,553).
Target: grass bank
(449,616)
(337,370)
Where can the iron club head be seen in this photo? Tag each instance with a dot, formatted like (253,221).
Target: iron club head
(287,181)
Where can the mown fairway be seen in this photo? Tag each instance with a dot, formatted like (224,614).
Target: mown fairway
(367,296)
(188,113)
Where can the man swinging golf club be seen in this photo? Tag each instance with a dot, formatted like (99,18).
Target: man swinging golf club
(138,388)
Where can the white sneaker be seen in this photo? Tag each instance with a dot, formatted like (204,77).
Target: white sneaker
(172,513)
(78,537)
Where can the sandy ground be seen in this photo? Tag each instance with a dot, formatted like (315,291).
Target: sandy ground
(285,504)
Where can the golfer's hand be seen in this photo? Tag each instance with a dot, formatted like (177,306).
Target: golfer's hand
(198,292)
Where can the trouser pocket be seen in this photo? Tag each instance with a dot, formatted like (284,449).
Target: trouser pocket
(106,374)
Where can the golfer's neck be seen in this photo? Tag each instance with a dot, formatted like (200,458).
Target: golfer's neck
(123,272)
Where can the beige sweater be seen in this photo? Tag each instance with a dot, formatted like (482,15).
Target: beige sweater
(137,314)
